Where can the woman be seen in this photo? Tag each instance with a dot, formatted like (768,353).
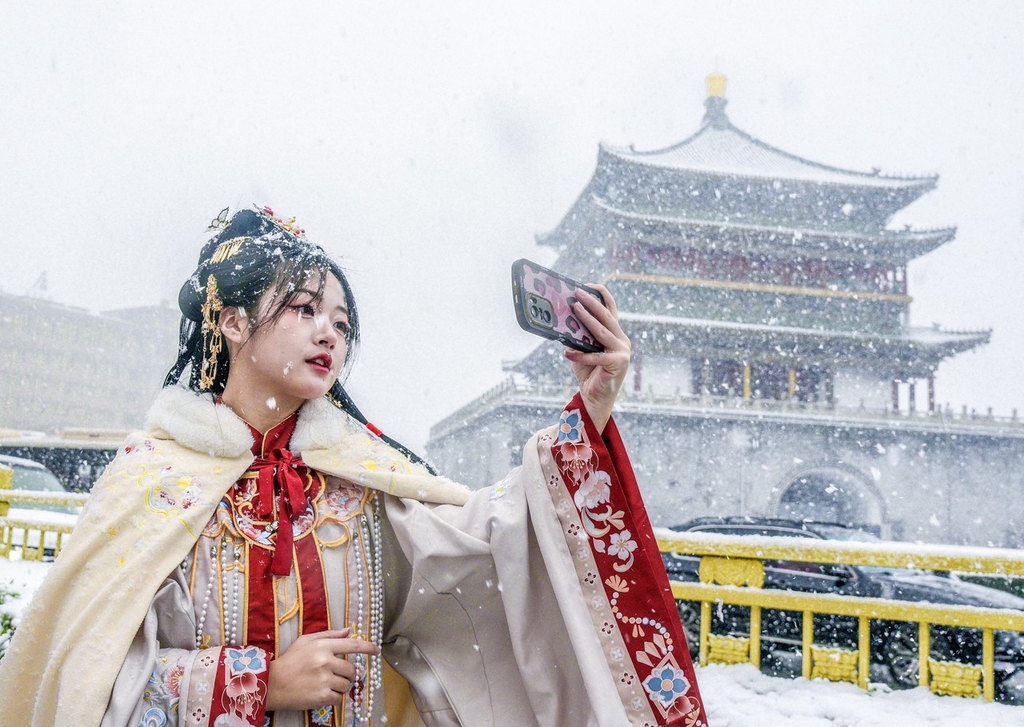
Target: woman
(260,551)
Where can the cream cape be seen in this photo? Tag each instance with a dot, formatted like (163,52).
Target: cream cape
(60,667)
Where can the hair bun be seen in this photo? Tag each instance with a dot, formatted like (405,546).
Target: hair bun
(191,297)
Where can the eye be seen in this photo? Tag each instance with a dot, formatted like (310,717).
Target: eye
(342,327)
(305,310)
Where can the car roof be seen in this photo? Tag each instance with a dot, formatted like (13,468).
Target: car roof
(800,528)
(6,459)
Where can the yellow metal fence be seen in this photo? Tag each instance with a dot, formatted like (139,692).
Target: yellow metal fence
(34,534)
(732,572)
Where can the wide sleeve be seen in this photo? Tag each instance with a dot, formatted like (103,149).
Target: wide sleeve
(543,599)
(165,681)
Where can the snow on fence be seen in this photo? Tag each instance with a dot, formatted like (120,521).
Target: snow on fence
(732,572)
(33,534)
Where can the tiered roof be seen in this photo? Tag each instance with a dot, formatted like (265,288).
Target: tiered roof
(723,176)
(728,192)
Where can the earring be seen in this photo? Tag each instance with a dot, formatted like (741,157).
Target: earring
(212,341)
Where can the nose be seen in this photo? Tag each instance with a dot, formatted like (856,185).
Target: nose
(326,334)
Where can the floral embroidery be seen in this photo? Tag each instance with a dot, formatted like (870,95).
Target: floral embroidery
(192,494)
(172,680)
(572,440)
(605,535)
(500,489)
(595,490)
(241,504)
(322,715)
(245,687)
(153,718)
(344,501)
(170,495)
(622,545)
(666,684)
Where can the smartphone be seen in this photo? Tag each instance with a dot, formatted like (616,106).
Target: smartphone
(543,300)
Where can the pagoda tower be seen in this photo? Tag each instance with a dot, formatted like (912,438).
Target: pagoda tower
(774,365)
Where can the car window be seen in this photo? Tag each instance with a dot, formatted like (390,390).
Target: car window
(40,480)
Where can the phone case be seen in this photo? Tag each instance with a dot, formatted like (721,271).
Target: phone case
(543,301)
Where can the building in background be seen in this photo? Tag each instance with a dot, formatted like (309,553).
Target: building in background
(774,372)
(67,370)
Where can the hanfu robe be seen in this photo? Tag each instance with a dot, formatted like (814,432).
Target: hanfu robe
(538,601)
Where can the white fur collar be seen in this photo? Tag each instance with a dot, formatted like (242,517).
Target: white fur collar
(327,438)
(196,421)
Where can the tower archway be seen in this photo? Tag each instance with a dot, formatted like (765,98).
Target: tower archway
(831,494)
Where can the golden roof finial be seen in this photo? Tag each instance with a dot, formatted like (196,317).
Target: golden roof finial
(715,84)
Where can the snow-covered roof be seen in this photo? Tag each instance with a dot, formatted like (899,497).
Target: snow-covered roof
(721,148)
(917,241)
(919,335)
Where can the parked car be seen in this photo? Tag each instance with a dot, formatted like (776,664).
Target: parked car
(31,475)
(893,643)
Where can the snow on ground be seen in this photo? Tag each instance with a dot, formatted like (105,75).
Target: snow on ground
(741,696)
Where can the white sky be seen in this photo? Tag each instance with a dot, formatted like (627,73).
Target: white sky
(424,144)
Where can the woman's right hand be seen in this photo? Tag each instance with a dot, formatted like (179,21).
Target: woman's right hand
(314,672)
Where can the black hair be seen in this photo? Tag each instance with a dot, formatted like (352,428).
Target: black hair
(253,254)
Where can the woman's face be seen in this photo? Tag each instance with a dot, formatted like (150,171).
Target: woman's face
(298,356)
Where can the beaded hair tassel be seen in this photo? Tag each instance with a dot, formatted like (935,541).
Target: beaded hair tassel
(213,343)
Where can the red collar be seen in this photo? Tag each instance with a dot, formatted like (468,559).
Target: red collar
(277,437)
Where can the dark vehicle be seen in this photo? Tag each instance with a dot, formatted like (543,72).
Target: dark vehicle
(894,648)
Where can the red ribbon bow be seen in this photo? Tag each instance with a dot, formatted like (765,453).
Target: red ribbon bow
(281,468)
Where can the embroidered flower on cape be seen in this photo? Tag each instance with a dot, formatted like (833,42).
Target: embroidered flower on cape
(666,684)
(570,427)
(572,440)
(193,491)
(595,489)
(622,545)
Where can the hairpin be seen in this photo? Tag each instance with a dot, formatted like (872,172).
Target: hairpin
(226,249)
(288,225)
(221,221)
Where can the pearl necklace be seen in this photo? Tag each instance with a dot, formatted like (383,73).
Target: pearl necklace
(228,561)
(367,547)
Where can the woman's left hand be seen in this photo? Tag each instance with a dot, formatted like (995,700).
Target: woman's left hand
(600,374)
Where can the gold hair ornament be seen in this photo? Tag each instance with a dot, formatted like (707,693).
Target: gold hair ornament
(226,249)
(212,340)
(288,225)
